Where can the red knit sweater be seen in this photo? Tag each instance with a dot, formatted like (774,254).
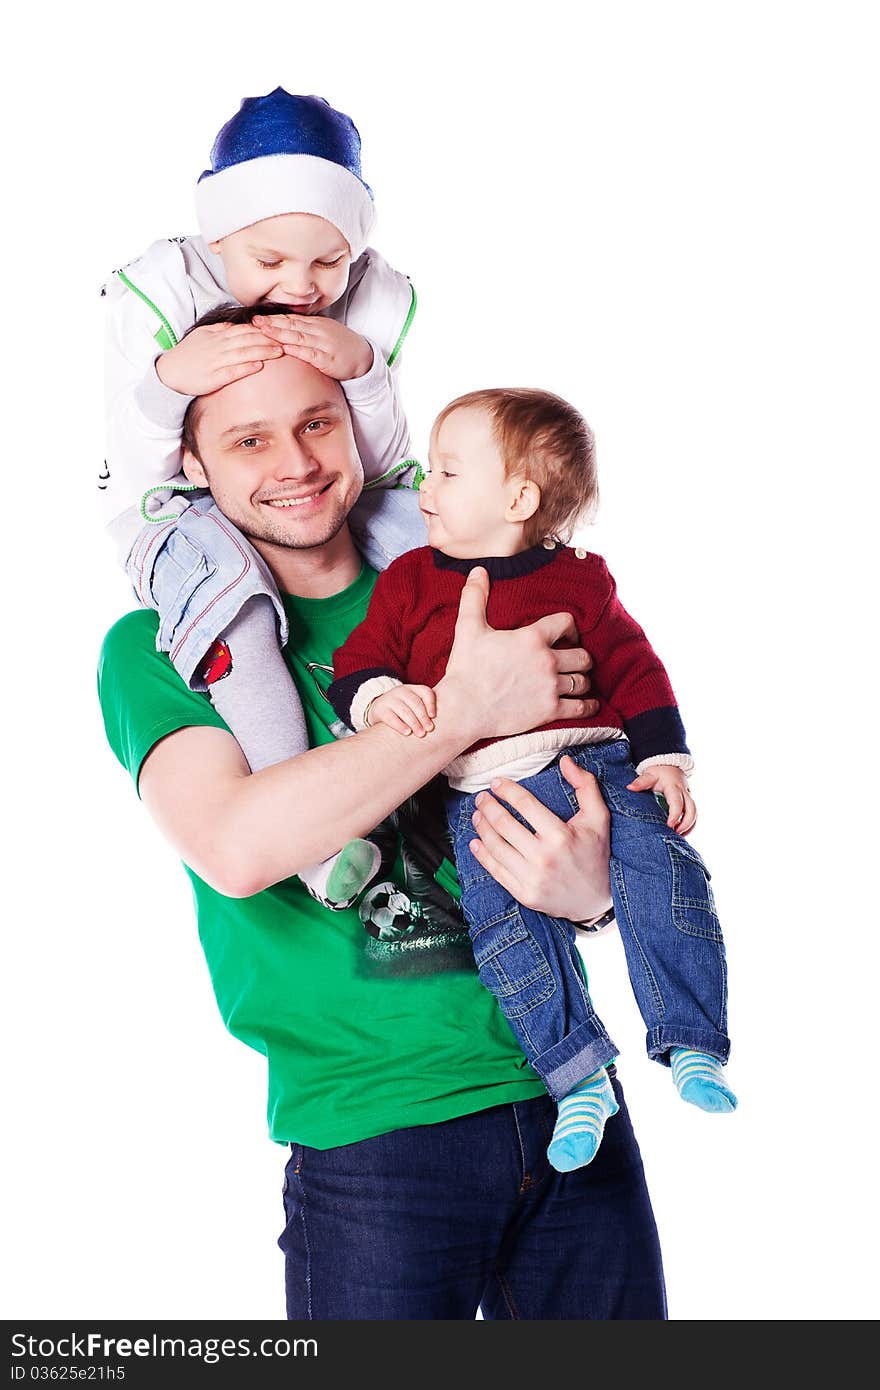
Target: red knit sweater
(409,629)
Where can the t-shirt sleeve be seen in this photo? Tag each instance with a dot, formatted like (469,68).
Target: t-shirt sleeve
(141,695)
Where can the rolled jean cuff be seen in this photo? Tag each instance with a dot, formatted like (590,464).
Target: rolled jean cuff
(198,571)
(666,1035)
(579,1054)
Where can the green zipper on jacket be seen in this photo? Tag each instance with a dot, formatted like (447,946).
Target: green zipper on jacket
(406,327)
(165,336)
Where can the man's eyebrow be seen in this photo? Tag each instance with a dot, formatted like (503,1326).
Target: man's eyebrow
(322,408)
(249,427)
(258,426)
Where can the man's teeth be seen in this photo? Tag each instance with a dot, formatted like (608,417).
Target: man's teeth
(290,501)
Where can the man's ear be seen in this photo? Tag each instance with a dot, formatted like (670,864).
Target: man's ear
(524,500)
(194,470)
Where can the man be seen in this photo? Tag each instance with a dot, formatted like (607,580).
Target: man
(418,1185)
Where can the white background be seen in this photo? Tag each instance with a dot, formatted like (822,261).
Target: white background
(667,213)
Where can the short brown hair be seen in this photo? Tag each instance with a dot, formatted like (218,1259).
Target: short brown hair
(223,313)
(543,438)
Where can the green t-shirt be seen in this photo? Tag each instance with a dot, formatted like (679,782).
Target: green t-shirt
(371,1019)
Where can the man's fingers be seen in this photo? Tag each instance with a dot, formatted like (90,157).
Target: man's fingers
(555,626)
(587,789)
(525,804)
(472,604)
(502,873)
(495,837)
(572,683)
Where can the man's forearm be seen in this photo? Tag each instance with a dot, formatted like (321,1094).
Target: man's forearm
(242,832)
(300,812)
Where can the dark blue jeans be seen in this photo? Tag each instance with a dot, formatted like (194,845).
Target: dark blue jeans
(665,914)
(436,1221)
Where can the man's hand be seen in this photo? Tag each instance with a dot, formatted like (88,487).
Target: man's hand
(408,709)
(214,356)
(503,683)
(333,348)
(672,784)
(561,869)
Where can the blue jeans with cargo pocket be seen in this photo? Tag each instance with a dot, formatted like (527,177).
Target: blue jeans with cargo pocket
(665,914)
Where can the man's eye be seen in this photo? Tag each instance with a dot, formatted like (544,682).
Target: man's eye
(315,426)
(268,265)
(250,443)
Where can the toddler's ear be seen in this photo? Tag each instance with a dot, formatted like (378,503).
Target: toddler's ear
(194,470)
(525,499)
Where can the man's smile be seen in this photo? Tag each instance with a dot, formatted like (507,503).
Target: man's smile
(299,500)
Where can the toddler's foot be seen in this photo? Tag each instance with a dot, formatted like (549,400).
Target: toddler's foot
(700,1080)
(581,1122)
(339,881)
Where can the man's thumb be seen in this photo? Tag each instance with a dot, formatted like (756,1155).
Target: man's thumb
(589,796)
(474,597)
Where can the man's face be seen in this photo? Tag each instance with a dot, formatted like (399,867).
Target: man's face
(294,259)
(278,453)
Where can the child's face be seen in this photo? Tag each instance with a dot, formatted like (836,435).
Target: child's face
(295,259)
(468,505)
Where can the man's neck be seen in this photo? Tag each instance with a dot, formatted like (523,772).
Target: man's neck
(319,572)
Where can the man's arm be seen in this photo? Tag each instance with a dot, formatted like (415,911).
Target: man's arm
(242,832)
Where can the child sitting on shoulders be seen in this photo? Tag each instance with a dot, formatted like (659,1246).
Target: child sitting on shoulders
(285,216)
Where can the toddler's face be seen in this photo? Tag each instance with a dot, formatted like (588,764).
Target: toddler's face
(465,497)
(295,259)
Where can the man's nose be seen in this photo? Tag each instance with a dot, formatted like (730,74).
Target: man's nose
(293,460)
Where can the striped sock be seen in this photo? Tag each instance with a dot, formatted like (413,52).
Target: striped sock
(581,1122)
(700,1080)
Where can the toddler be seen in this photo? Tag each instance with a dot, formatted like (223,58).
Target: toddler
(511,471)
(284,215)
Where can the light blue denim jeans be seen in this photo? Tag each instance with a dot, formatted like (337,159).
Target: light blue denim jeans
(198,570)
(665,914)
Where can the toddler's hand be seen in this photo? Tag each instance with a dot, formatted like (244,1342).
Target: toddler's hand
(334,349)
(408,709)
(213,356)
(672,783)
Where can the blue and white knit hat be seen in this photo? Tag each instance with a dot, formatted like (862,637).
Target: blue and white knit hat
(282,153)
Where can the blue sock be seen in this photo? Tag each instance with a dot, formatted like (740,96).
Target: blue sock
(581,1122)
(700,1080)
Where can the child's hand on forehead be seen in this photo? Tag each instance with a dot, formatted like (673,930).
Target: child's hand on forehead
(213,356)
(334,349)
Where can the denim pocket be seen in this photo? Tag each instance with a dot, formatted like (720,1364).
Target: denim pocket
(179,570)
(512,964)
(693,906)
